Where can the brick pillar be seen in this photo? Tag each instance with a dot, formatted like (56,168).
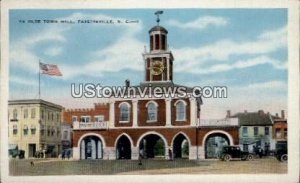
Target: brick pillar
(135,113)
(168,112)
(112,114)
(193,113)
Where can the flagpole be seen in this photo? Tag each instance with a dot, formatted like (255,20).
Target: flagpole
(39,79)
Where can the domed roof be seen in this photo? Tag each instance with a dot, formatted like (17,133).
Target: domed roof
(158,28)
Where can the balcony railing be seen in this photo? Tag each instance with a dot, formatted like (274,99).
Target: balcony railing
(90,125)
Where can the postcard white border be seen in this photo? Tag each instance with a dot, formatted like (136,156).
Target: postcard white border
(293,87)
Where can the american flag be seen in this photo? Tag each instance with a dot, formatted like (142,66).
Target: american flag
(50,69)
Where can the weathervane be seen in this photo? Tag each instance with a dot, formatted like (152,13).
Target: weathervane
(157,14)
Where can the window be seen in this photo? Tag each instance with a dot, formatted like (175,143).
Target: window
(85,119)
(42,130)
(58,117)
(52,131)
(99,118)
(267,131)
(15,114)
(277,133)
(25,113)
(52,116)
(33,130)
(245,131)
(255,131)
(151,42)
(42,114)
(180,111)
(48,131)
(124,112)
(58,132)
(163,42)
(49,116)
(74,118)
(33,113)
(65,135)
(25,130)
(156,41)
(285,133)
(15,129)
(152,111)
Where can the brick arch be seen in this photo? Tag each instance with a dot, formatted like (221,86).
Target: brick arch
(126,135)
(152,133)
(91,134)
(228,135)
(182,133)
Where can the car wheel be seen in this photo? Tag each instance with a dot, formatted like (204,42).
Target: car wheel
(250,157)
(284,158)
(227,157)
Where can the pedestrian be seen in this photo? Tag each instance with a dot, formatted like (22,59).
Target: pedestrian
(63,155)
(260,152)
(170,154)
(140,156)
(68,153)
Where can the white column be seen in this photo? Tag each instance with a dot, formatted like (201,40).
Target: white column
(192,152)
(135,153)
(135,113)
(168,68)
(93,143)
(112,114)
(168,112)
(201,152)
(193,113)
(110,153)
(82,149)
(99,145)
(76,153)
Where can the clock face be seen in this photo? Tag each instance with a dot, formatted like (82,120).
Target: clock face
(157,67)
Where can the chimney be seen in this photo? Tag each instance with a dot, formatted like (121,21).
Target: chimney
(261,112)
(282,114)
(228,114)
(276,115)
(127,83)
(245,111)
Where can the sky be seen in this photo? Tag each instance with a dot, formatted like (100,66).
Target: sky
(242,49)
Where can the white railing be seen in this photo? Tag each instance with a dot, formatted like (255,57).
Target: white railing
(90,125)
(219,122)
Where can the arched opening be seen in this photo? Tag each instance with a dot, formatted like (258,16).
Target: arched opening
(123,148)
(214,144)
(180,147)
(152,146)
(91,147)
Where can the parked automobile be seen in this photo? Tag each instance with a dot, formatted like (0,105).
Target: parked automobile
(281,153)
(16,153)
(234,152)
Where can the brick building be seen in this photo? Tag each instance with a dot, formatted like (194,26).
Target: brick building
(125,128)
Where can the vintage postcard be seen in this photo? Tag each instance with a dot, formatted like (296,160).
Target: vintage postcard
(142,92)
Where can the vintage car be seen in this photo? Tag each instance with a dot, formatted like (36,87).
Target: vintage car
(234,152)
(281,151)
(16,153)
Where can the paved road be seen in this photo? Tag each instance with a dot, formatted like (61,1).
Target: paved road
(109,167)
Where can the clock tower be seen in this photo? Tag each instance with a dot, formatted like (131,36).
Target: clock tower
(159,60)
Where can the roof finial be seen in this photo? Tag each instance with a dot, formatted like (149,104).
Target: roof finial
(157,14)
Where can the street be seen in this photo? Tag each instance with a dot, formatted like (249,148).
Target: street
(131,167)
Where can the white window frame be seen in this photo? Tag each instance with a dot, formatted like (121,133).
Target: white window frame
(129,108)
(184,104)
(99,116)
(75,120)
(156,107)
(86,117)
